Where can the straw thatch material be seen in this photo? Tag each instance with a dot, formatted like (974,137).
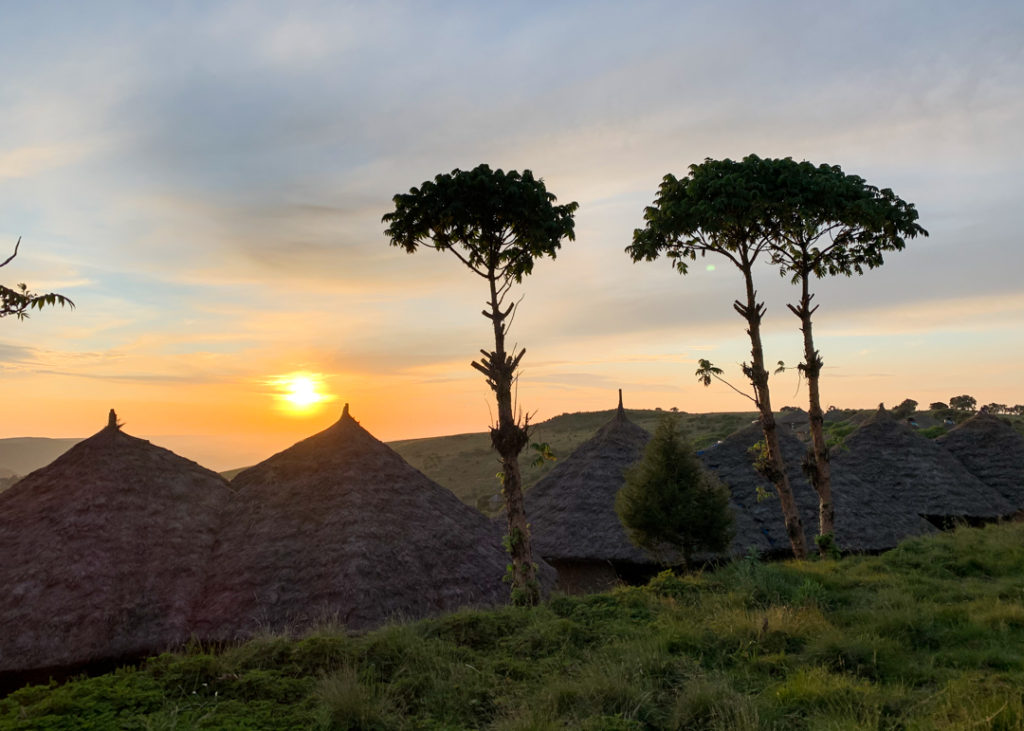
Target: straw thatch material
(992,451)
(758,522)
(103,553)
(572,509)
(339,527)
(912,474)
(860,524)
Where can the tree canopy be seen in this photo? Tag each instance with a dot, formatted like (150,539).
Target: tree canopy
(497,223)
(963,403)
(824,222)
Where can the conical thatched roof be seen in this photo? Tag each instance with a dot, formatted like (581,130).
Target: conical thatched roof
(340,527)
(103,552)
(910,473)
(572,509)
(992,451)
(758,522)
(859,526)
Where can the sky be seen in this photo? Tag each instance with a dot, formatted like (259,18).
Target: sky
(206,181)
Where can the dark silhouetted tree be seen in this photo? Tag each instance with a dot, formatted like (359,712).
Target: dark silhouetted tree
(905,410)
(823,222)
(719,208)
(963,403)
(670,505)
(937,406)
(19,300)
(497,224)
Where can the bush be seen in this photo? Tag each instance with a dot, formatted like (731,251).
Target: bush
(670,505)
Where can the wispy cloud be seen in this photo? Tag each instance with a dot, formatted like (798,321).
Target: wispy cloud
(207,182)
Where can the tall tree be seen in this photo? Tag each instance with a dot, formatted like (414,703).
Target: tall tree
(718,208)
(19,300)
(497,224)
(670,504)
(823,222)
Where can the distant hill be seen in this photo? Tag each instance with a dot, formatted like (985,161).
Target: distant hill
(21,455)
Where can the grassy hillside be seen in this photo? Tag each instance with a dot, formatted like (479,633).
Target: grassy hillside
(928,636)
(466,464)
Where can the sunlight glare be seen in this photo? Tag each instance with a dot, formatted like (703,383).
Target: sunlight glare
(301,392)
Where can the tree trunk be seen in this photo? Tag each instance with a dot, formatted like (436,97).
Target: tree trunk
(772,465)
(509,438)
(817,466)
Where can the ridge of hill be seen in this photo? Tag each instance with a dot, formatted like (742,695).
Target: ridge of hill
(21,455)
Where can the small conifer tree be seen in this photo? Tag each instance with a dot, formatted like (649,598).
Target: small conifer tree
(670,505)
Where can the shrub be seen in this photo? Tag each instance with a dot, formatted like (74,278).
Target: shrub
(670,505)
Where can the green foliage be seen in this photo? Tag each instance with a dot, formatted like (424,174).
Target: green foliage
(544,454)
(19,300)
(928,636)
(670,504)
(713,209)
(963,403)
(491,220)
(836,432)
(905,409)
(827,545)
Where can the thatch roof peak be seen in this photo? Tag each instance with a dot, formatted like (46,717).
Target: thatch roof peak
(572,509)
(339,525)
(881,416)
(104,551)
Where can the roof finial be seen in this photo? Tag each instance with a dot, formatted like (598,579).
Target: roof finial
(344,411)
(621,412)
(112,420)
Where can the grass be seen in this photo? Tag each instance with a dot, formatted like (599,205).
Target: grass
(927,636)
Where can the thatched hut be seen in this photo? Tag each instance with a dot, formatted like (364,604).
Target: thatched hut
(859,524)
(756,513)
(911,475)
(572,515)
(103,553)
(339,528)
(992,451)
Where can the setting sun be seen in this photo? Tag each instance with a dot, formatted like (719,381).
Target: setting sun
(300,393)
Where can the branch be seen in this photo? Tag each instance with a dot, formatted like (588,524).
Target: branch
(466,261)
(8,259)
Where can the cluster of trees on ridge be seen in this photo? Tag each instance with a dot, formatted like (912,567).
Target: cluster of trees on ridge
(809,221)
(958,408)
